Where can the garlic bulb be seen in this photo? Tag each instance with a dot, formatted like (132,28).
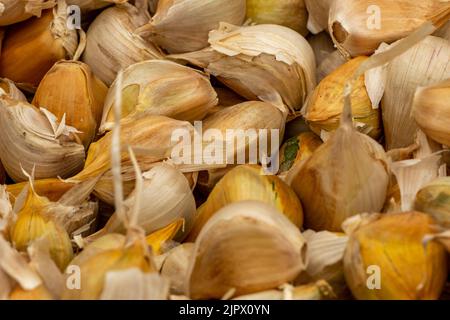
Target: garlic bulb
(288,13)
(248,183)
(324,107)
(279,68)
(424,64)
(359,27)
(165,197)
(13,11)
(34,140)
(9,89)
(386,259)
(318,11)
(175,267)
(246,247)
(90,5)
(70,90)
(183,25)
(161,88)
(31,48)
(34,220)
(106,57)
(434,199)
(345,176)
(297,149)
(151,134)
(432,112)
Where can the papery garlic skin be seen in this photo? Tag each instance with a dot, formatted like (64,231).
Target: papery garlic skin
(402,267)
(183,25)
(106,57)
(159,87)
(288,13)
(14,11)
(318,11)
(246,247)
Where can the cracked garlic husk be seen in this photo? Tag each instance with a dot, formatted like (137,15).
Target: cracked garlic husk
(14,11)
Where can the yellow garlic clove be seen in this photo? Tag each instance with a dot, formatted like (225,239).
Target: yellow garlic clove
(160,88)
(325,105)
(183,25)
(115,256)
(31,48)
(358,27)
(387,259)
(298,149)
(14,11)
(431,110)
(70,89)
(32,139)
(34,221)
(247,182)
(288,13)
(434,199)
(118,23)
(246,247)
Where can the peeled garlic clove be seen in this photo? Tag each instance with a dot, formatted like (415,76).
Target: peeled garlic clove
(31,48)
(424,64)
(320,290)
(9,89)
(345,176)
(160,88)
(386,259)
(247,182)
(35,221)
(279,69)
(93,268)
(324,106)
(183,25)
(434,199)
(431,111)
(297,149)
(246,247)
(359,27)
(70,90)
(288,13)
(14,11)
(33,140)
(175,267)
(106,57)
(318,11)
(166,196)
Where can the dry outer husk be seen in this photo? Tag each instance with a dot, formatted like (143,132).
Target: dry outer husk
(432,112)
(359,27)
(318,11)
(14,11)
(279,68)
(90,5)
(248,182)
(70,90)
(424,64)
(288,13)
(183,25)
(161,88)
(246,247)
(31,48)
(444,32)
(324,106)
(9,89)
(34,140)
(106,57)
(394,243)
